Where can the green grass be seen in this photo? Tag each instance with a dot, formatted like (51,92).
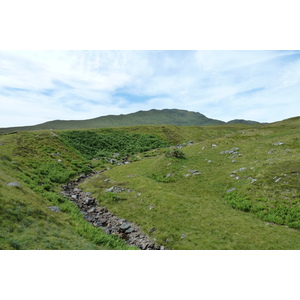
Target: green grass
(186,211)
(41,162)
(263,214)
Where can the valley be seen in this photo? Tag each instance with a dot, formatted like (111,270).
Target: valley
(227,186)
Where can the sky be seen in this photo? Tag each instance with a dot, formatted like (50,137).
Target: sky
(39,86)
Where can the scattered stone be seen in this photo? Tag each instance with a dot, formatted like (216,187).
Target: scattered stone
(101,217)
(231,190)
(1,144)
(88,194)
(54,208)
(91,210)
(59,160)
(187,175)
(169,164)
(74,197)
(125,226)
(58,154)
(14,183)
(203,148)
(168,175)
(278,144)
(253,180)
(213,145)
(151,206)
(242,169)
(278,179)
(130,230)
(110,190)
(183,236)
(271,151)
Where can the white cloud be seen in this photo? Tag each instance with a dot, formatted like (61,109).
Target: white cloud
(38,86)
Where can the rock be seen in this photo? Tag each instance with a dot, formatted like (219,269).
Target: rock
(54,208)
(77,190)
(162,248)
(91,210)
(74,197)
(88,193)
(89,201)
(125,226)
(14,183)
(129,230)
(110,190)
(231,190)
(118,189)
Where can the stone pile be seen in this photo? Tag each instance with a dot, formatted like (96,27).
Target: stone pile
(101,217)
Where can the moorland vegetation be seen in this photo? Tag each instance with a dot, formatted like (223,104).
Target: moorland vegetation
(230,186)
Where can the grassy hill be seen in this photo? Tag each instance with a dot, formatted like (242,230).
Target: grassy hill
(246,197)
(151,117)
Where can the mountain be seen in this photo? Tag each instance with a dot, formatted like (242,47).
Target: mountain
(151,117)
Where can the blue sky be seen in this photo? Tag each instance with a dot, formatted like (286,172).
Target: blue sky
(39,86)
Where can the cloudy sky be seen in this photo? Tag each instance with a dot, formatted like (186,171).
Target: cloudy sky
(39,86)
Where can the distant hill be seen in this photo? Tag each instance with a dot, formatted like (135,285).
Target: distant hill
(151,117)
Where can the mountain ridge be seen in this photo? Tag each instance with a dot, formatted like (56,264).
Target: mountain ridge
(151,117)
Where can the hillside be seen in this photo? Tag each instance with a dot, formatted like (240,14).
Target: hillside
(151,117)
(236,187)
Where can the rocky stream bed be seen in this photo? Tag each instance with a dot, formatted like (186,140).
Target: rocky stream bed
(101,217)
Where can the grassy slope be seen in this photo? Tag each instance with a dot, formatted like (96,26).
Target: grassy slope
(196,206)
(26,221)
